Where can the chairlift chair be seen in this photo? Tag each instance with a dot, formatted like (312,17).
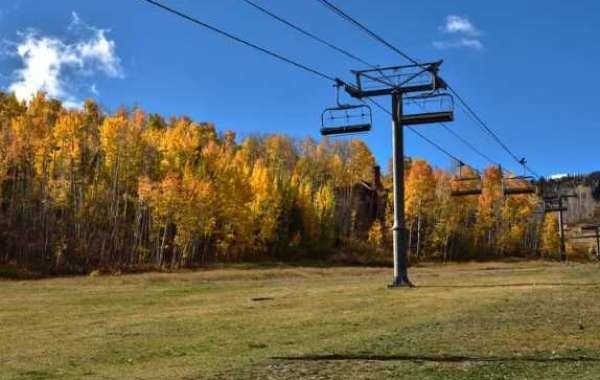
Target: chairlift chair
(443,112)
(473,186)
(519,185)
(345,119)
(465,186)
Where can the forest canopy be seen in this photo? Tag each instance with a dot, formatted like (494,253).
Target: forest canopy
(81,190)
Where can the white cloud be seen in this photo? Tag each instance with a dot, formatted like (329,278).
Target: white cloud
(57,67)
(467,35)
(72,103)
(458,24)
(43,59)
(102,51)
(558,176)
(97,49)
(462,43)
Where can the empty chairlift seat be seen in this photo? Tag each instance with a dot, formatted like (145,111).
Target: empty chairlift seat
(465,186)
(461,186)
(346,119)
(519,185)
(430,108)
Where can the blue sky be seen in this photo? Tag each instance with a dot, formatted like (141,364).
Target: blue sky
(527,67)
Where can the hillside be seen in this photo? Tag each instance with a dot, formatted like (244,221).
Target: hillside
(585,208)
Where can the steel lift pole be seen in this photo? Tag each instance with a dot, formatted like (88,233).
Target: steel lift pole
(597,242)
(561,230)
(399,232)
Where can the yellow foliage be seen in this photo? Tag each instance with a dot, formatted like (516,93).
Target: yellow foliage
(419,188)
(550,235)
(376,234)
(129,188)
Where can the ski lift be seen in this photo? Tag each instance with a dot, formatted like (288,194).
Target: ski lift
(345,119)
(462,186)
(519,185)
(434,108)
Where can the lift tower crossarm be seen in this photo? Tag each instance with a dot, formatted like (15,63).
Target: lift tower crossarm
(360,91)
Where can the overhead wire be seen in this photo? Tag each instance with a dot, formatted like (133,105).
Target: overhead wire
(240,40)
(285,59)
(434,144)
(307,33)
(487,129)
(322,41)
(327,4)
(463,140)
(360,60)
(353,21)
(468,144)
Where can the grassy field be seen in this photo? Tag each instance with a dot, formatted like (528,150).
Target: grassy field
(530,320)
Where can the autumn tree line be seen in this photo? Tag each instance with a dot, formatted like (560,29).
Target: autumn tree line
(83,190)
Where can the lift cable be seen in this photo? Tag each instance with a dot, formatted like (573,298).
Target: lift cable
(353,21)
(377,37)
(469,145)
(321,41)
(489,130)
(464,141)
(434,144)
(360,60)
(240,40)
(284,59)
(308,34)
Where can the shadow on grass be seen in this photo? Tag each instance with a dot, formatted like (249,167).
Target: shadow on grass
(515,285)
(440,358)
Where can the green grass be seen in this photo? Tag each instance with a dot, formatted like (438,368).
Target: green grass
(531,320)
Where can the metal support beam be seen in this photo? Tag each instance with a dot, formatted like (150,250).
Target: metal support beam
(598,243)
(361,94)
(399,229)
(561,230)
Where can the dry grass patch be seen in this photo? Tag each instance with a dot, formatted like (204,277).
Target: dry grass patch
(473,320)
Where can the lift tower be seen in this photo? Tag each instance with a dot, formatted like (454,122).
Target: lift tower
(423,82)
(557,204)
